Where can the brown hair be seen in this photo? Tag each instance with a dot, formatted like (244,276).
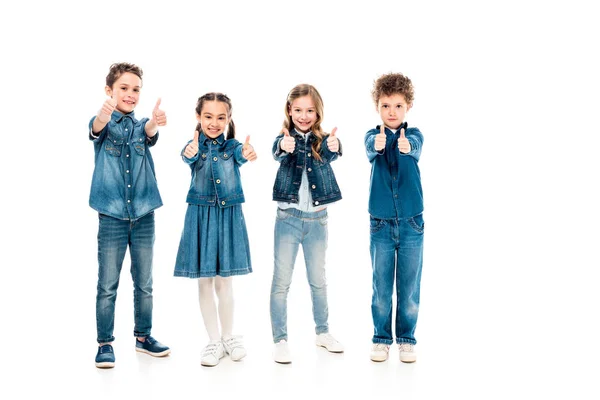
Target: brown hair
(390,84)
(302,90)
(214,96)
(118,69)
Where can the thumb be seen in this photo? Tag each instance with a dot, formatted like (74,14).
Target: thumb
(402,134)
(157,106)
(333,131)
(286,132)
(382,129)
(196,134)
(247,142)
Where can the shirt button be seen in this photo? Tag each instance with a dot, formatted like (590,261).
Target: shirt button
(310,169)
(225,155)
(127,171)
(127,144)
(127,155)
(218,181)
(125,129)
(129,201)
(316,203)
(214,142)
(222,203)
(214,158)
(129,186)
(141,139)
(203,155)
(313,186)
(396,195)
(308,155)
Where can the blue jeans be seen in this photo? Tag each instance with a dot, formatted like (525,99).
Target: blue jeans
(396,255)
(309,229)
(114,235)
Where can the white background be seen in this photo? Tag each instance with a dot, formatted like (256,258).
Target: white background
(507,100)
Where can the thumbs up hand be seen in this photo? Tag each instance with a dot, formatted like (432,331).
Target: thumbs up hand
(287,143)
(192,149)
(403,143)
(106,111)
(333,144)
(158,116)
(380,139)
(248,151)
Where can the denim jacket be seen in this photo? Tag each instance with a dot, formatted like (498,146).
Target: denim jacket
(395,188)
(124,182)
(216,172)
(324,187)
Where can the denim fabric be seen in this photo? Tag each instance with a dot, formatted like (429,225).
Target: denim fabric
(124,181)
(215,172)
(293,228)
(396,256)
(323,185)
(114,235)
(395,187)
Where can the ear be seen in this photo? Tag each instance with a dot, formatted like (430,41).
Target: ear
(289,110)
(198,117)
(408,107)
(108,91)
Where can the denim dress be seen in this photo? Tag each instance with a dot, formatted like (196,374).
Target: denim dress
(214,239)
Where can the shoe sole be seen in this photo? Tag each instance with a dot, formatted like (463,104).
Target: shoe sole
(331,351)
(379,359)
(161,354)
(105,364)
(283,362)
(408,360)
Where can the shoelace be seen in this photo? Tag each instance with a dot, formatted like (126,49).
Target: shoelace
(406,347)
(381,347)
(233,342)
(211,348)
(105,349)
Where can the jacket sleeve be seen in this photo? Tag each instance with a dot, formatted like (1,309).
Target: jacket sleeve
(237,153)
(327,154)
(370,145)
(189,161)
(415,138)
(278,153)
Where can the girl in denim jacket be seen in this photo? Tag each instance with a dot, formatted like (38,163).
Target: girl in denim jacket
(214,244)
(304,185)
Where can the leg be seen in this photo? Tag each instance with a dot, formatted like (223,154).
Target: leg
(408,278)
(314,247)
(224,290)
(141,244)
(287,239)
(208,308)
(112,245)
(383,253)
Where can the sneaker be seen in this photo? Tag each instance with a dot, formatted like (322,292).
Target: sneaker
(282,354)
(105,358)
(329,342)
(234,346)
(212,353)
(407,352)
(152,346)
(379,351)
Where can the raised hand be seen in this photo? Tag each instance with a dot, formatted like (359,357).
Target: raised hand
(192,149)
(403,143)
(333,144)
(380,139)
(106,111)
(248,150)
(158,116)
(287,143)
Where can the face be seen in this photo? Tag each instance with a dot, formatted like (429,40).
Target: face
(126,91)
(392,110)
(214,118)
(303,113)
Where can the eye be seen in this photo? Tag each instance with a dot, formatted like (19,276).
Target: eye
(385,106)
(399,106)
(136,90)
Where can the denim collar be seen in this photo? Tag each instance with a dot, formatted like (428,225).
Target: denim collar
(117,116)
(294,132)
(203,138)
(402,125)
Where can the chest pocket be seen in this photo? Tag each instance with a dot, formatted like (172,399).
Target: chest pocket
(113,145)
(140,146)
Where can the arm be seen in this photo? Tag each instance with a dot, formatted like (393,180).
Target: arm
(192,159)
(370,145)
(237,153)
(327,154)
(159,118)
(96,134)
(278,153)
(415,138)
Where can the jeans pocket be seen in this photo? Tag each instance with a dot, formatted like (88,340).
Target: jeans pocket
(281,215)
(323,220)
(377,224)
(417,223)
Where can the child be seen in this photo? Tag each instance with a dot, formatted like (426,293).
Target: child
(395,207)
(304,185)
(125,194)
(214,243)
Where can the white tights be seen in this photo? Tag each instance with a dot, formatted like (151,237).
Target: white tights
(207,287)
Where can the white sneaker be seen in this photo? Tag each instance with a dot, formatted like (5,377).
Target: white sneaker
(234,346)
(379,352)
(212,353)
(407,352)
(281,354)
(329,342)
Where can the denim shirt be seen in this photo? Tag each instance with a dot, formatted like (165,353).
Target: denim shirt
(321,179)
(124,182)
(395,188)
(216,172)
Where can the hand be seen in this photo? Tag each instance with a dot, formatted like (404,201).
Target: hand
(403,143)
(380,139)
(248,151)
(106,111)
(333,143)
(158,116)
(287,143)
(192,149)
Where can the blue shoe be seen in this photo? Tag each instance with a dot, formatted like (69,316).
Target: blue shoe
(152,346)
(105,357)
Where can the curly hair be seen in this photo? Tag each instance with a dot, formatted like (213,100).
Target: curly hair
(118,69)
(390,84)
